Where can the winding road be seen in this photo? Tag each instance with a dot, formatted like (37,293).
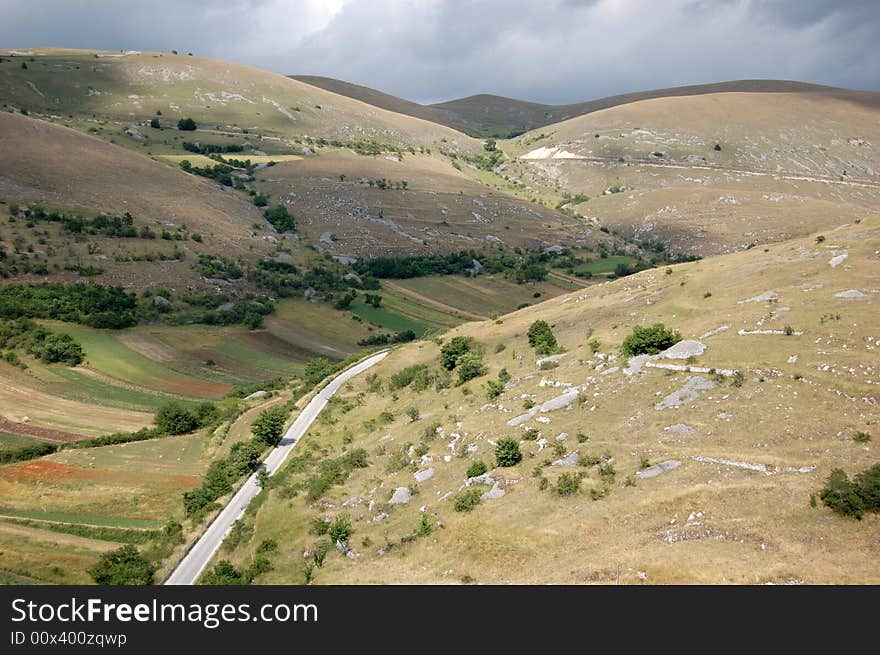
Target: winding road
(198,557)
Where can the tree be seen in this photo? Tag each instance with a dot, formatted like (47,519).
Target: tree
(269,426)
(186,124)
(224,573)
(154,123)
(507,452)
(61,348)
(541,338)
(452,350)
(316,370)
(174,418)
(123,566)
(649,340)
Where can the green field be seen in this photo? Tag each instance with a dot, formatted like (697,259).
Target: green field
(480,295)
(606,266)
(398,313)
(84,519)
(71,383)
(10,441)
(107,355)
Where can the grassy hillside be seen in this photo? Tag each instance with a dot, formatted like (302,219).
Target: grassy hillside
(487,115)
(128,88)
(347,213)
(711,173)
(793,319)
(61,168)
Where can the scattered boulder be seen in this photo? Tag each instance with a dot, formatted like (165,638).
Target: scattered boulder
(354,501)
(850,294)
(257,394)
(494,493)
(550,359)
(680,429)
(657,469)
(684,349)
(571,459)
(401,496)
(424,475)
(767,295)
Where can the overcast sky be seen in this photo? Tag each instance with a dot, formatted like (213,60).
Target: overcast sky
(552,51)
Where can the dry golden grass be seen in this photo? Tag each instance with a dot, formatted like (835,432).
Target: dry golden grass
(442,209)
(789,164)
(703,522)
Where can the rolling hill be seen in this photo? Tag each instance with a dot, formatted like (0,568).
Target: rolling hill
(125,88)
(712,173)
(694,467)
(486,115)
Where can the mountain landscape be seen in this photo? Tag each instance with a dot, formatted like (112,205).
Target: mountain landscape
(630,339)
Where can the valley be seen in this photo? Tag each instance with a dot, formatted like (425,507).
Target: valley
(198,239)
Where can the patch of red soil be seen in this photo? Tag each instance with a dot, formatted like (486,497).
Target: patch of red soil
(45,434)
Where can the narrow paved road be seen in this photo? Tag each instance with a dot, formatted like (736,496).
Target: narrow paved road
(195,561)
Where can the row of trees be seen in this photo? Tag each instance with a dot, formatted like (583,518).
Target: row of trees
(90,304)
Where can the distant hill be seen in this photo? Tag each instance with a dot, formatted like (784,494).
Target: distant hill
(487,115)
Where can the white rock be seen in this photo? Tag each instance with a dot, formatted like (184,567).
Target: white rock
(424,475)
(401,496)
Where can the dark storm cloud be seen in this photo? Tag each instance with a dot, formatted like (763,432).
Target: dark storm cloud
(429,50)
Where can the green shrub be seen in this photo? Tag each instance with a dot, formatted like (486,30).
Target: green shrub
(174,418)
(340,528)
(407,376)
(466,500)
(494,388)
(123,566)
(507,452)
(186,124)
(470,365)
(477,468)
(861,437)
(841,495)
(649,340)
(868,482)
(569,483)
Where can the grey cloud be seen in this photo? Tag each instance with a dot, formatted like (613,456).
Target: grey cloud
(550,51)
